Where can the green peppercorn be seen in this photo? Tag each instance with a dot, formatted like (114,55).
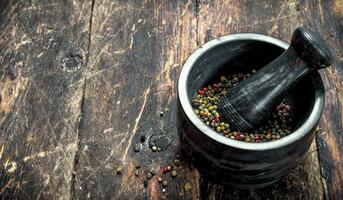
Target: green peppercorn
(177,162)
(149,175)
(164,183)
(154,148)
(137,148)
(174,173)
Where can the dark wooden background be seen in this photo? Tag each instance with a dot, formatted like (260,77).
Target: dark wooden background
(80,80)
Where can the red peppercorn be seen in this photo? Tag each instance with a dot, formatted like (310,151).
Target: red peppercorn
(205,89)
(201,92)
(165,169)
(278,107)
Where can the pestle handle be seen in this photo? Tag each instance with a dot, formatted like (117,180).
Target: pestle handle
(311,48)
(252,101)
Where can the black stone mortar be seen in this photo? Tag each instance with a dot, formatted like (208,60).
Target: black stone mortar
(227,161)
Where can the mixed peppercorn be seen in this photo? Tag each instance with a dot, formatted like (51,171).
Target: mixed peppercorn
(205,106)
(157,142)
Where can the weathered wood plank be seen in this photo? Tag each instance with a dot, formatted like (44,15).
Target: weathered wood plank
(62,111)
(277,19)
(42,56)
(136,47)
(184,25)
(327,17)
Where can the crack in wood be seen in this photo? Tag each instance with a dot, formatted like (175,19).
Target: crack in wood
(197,9)
(82,107)
(78,138)
(90,31)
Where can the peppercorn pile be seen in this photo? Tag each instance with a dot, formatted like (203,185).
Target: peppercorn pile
(205,106)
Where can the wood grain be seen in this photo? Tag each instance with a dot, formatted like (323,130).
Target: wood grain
(81,81)
(256,17)
(134,63)
(45,44)
(328,21)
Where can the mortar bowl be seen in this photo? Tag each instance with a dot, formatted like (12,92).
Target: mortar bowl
(226,161)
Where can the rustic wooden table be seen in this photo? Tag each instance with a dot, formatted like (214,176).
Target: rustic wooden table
(81,80)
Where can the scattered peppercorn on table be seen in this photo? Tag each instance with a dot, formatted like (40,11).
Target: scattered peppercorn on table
(88,94)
